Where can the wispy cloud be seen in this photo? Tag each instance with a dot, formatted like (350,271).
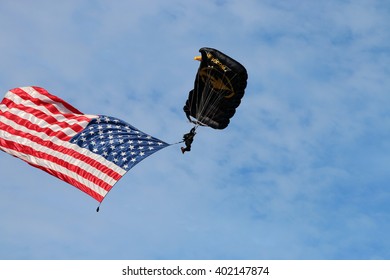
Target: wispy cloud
(300,173)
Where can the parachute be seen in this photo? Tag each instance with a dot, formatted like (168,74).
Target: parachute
(218,89)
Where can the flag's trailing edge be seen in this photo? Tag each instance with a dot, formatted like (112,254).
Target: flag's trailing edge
(90,152)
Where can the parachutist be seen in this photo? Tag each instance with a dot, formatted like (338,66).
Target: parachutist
(188,138)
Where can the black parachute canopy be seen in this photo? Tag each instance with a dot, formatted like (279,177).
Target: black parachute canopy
(219,86)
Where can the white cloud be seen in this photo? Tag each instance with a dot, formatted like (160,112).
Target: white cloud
(300,172)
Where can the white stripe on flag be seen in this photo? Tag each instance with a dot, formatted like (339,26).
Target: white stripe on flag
(59,142)
(43,124)
(35,94)
(65,157)
(59,117)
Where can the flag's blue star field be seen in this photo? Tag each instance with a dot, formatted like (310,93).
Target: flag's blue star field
(117,141)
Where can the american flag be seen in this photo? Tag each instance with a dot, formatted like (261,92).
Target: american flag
(90,152)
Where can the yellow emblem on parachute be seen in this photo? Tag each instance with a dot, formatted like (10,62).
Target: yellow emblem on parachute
(218,83)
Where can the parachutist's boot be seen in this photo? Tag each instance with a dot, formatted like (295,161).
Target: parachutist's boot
(186,149)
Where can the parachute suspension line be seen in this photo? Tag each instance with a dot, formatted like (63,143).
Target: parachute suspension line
(200,102)
(208,99)
(198,99)
(199,95)
(194,96)
(208,104)
(209,108)
(217,96)
(213,108)
(191,101)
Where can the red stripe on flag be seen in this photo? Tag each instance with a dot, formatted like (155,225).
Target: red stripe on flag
(47,118)
(47,105)
(54,98)
(72,182)
(29,125)
(59,161)
(67,151)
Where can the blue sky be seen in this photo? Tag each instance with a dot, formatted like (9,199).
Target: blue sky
(302,171)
